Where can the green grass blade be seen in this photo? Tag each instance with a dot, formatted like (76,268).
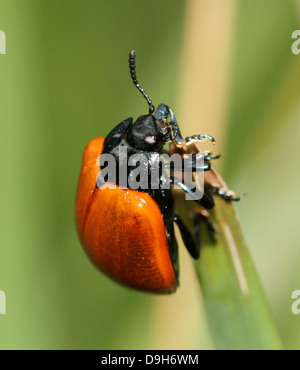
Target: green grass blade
(237,312)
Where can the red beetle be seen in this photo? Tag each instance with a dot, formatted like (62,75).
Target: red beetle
(129,233)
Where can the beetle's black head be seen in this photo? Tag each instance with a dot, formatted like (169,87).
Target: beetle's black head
(145,134)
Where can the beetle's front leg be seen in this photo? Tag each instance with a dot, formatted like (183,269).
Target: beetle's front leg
(191,139)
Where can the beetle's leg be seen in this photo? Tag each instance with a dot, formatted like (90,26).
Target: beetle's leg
(191,164)
(194,245)
(226,194)
(187,238)
(202,216)
(191,139)
(162,112)
(208,156)
(206,201)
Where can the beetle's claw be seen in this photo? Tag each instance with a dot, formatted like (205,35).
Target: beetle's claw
(208,156)
(227,194)
(191,139)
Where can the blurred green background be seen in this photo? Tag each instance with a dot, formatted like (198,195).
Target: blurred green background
(64,81)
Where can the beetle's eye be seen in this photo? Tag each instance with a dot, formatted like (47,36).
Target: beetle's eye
(150,140)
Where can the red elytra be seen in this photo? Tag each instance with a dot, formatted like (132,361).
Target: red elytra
(122,230)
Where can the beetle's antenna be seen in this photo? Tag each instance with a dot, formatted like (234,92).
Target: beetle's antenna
(135,81)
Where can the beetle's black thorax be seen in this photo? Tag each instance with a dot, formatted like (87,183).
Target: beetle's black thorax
(116,144)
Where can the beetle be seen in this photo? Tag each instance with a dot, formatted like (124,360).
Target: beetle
(129,233)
